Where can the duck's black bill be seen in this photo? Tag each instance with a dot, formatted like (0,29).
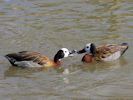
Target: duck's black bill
(71,53)
(81,51)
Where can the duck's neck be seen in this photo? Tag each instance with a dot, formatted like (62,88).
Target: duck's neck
(58,63)
(87,58)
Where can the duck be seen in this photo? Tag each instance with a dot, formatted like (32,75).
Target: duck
(26,59)
(106,52)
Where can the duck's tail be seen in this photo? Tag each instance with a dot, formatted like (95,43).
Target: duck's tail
(11,60)
(124,47)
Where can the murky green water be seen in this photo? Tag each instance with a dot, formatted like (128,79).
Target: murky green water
(47,25)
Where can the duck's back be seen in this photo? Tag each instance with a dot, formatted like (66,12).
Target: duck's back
(27,58)
(110,52)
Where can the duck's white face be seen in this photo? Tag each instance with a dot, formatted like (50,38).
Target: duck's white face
(65,51)
(87,47)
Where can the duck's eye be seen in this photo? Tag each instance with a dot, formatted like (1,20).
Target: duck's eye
(87,47)
(65,51)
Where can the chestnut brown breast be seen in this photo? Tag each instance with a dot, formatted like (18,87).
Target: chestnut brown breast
(87,58)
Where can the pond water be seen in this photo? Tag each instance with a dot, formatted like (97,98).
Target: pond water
(46,26)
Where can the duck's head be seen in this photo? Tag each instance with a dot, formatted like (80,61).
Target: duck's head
(89,48)
(62,53)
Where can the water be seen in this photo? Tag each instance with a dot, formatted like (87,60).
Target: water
(47,25)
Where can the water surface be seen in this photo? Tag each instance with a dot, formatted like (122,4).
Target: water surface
(48,25)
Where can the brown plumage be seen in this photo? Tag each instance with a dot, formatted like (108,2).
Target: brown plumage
(108,52)
(35,59)
(105,51)
(28,56)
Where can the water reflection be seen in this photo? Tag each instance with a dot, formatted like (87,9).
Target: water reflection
(98,65)
(114,20)
(47,25)
(109,9)
(22,72)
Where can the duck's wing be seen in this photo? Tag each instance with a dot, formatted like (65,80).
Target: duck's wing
(27,56)
(110,52)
